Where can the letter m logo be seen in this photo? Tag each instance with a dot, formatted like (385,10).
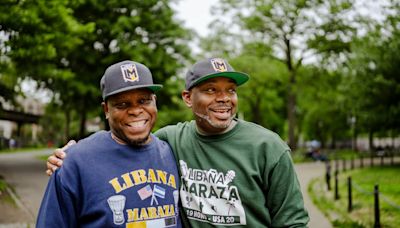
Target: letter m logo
(219,65)
(129,72)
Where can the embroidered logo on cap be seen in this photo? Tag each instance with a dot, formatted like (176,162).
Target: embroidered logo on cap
(219,65)
(129,72)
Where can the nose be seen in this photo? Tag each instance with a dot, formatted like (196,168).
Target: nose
(223,96)
(135,110)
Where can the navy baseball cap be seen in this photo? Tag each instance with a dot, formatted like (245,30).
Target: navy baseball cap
(124,76)
(211,68)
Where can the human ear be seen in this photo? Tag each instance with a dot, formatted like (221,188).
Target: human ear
(154,97)
(104,105)
(186,96)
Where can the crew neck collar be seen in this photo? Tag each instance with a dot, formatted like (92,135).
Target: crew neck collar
(146,146)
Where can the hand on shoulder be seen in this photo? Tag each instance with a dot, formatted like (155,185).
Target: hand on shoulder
(55,160)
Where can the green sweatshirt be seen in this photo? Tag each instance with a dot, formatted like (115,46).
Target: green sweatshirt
(242,178)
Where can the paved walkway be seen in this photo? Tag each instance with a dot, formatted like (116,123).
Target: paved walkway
(306,172)
(26,174)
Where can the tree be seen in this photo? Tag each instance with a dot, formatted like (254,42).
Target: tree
(67,44)
(374,80)
(323,113)
(288,26)
(7,84)
(40,35)
(262,97)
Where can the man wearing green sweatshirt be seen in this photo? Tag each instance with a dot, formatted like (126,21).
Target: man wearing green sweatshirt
(233,173)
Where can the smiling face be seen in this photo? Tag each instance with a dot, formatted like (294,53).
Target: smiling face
(131,116)
(214,104)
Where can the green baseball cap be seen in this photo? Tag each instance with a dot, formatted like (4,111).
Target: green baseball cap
(211,68)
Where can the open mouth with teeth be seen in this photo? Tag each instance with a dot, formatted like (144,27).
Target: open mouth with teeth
(221,113)
(137,125)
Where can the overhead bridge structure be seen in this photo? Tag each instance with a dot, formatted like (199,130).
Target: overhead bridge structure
(19,117)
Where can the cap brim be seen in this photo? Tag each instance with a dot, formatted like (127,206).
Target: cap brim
(153,87)
(239,77)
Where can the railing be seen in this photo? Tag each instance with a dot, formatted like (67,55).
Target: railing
(352,186)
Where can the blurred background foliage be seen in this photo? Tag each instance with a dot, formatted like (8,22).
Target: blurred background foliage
(326,70)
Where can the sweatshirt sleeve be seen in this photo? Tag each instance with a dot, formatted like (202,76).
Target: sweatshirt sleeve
(284,197)
(162,134)
(57,208)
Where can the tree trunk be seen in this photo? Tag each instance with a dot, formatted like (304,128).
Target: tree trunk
(393,140)
(371,140)
(354,138)
(291,109)
(67,125)
(255,109)
(291,97)
(82,125)
(333,142)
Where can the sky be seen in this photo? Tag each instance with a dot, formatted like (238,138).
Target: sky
(195,14)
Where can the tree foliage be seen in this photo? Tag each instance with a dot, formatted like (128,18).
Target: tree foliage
(328,48)
(295,31)
(323,111)
(262,97)
(67,44)
(375,77)
(325,70)
(7,84)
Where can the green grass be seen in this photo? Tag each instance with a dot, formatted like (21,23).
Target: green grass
(346,154)
(4,196)
(43,157)
(362,215)
(27,149)
(3,185)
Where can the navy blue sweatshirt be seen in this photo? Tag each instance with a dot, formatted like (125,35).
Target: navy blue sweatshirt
(106,184)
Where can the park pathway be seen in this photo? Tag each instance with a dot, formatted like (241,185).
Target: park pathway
(306,172)
(26,174)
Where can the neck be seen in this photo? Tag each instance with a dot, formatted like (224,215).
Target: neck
(116,139)
(139,142)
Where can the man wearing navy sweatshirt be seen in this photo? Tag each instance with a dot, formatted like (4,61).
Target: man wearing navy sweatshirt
(122,177)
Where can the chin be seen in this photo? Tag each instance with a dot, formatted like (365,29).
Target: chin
(222,126)
(223,122)
(138,140)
